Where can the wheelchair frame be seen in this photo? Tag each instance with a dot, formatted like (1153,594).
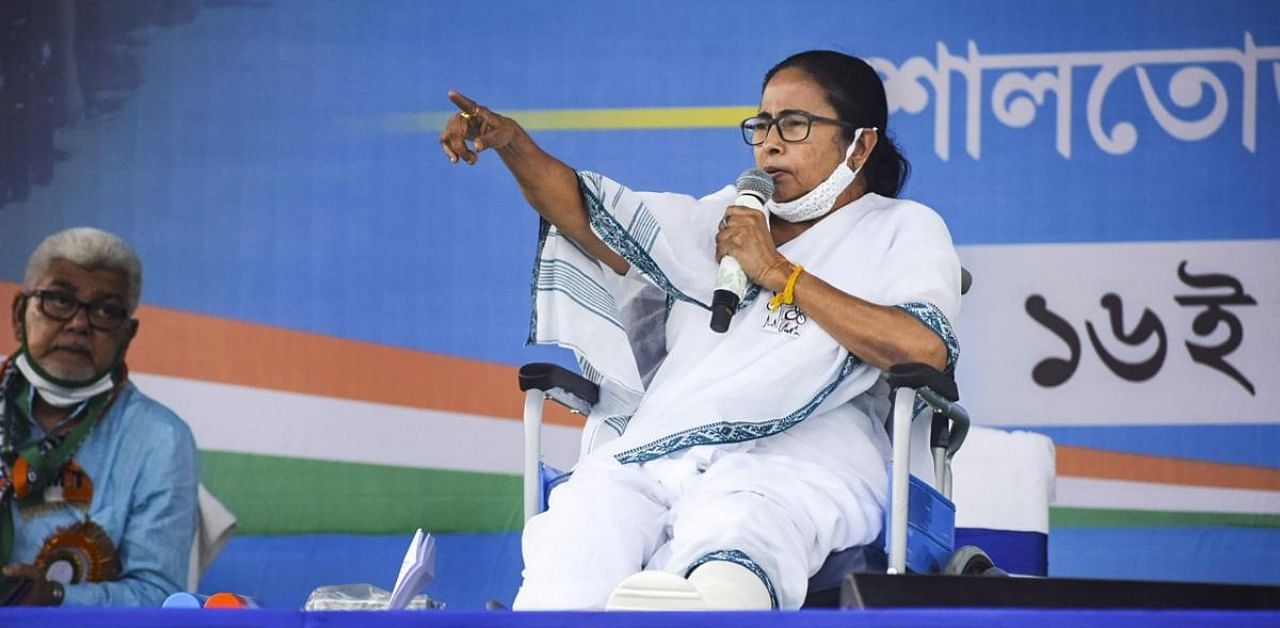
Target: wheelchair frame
(909,382)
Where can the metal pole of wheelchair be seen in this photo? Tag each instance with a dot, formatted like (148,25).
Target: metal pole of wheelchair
(959,429)
(941,471)
(903,403)
(533,400)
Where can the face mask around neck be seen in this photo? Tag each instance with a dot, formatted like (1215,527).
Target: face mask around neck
(820,200)
(59,395)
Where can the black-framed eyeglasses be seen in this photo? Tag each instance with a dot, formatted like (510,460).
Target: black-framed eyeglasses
(104,314)
(792,127)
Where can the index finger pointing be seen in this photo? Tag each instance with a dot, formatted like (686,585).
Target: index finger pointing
(464,104)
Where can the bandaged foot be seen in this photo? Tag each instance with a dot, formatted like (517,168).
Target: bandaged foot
(655,591)
(716,585)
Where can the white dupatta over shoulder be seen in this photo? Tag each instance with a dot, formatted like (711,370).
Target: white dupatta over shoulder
(672,383)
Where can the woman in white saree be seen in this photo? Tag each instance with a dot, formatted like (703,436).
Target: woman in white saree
(744,458)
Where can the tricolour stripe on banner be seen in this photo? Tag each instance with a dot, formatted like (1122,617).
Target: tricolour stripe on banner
(249,420)
(291,463)
(207,348)
(389,437)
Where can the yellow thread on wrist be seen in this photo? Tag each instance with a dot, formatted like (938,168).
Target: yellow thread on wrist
(788,294)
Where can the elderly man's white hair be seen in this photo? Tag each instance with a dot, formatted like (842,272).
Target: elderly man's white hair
(89,248)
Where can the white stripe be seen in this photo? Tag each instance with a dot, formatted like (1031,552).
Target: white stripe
(243,419)
(1125,495)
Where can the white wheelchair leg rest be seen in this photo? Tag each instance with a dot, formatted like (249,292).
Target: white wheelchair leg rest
(715,585)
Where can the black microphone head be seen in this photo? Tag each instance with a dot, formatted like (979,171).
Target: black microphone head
(755,182)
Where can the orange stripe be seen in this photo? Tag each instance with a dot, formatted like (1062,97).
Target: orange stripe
(1110,465)
(208,348)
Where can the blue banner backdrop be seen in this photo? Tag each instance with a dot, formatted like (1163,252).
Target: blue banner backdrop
(276,163)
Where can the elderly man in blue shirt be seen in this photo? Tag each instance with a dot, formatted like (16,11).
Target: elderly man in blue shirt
(98,482)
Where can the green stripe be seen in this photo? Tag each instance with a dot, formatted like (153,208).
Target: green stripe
(1104,518)
(277,495)
(594,119)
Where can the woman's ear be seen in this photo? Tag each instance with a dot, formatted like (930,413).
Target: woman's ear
(866,143)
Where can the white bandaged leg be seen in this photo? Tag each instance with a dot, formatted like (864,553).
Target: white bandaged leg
(602,524)
(655,591)
(716,585)
(776,518)
(730,586)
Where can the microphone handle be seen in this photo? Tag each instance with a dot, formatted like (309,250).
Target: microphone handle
(731,281)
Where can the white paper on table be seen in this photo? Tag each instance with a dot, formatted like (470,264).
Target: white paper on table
(416,571)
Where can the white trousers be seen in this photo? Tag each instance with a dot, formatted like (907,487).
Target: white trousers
(784,503)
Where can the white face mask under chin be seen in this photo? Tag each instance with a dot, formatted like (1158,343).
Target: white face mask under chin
(62,396)
(821,200)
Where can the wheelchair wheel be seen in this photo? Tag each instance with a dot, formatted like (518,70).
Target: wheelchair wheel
(971,561)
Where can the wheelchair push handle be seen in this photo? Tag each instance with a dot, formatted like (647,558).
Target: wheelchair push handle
(958,415)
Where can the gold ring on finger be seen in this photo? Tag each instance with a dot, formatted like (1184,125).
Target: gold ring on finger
(466,116)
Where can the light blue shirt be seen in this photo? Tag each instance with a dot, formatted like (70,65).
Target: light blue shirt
(142,460)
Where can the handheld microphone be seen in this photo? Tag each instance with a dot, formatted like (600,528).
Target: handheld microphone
(754,188)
